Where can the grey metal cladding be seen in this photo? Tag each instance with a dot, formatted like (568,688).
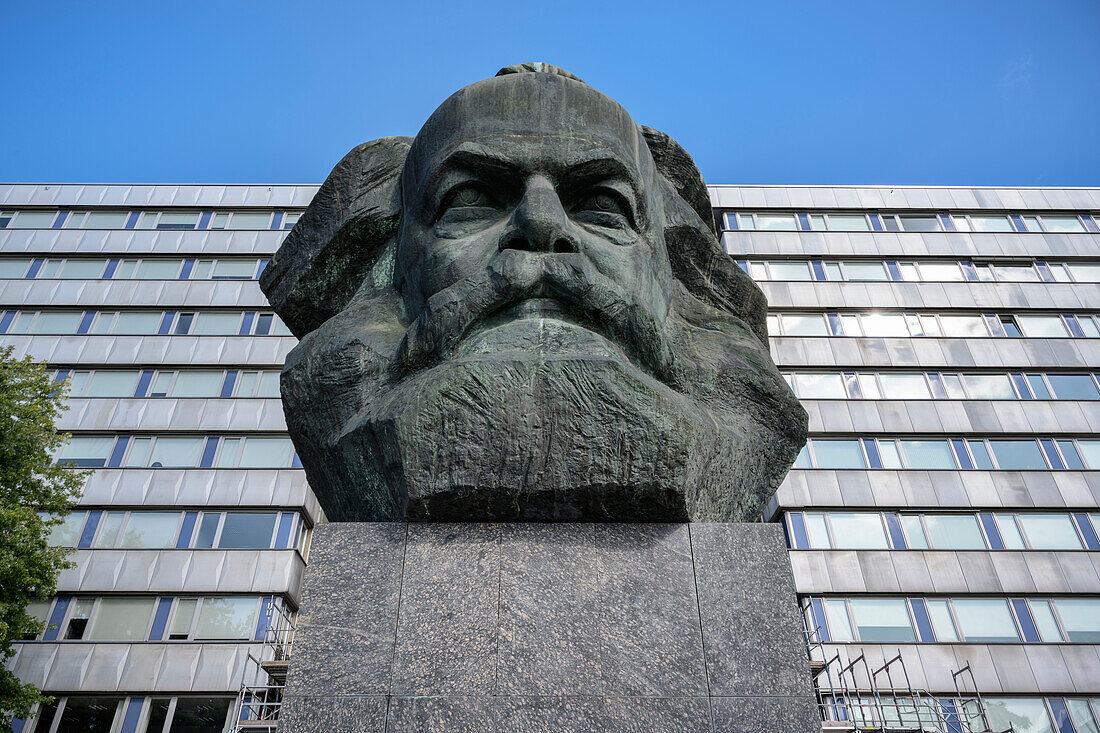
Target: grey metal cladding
(143,196)
(195,351)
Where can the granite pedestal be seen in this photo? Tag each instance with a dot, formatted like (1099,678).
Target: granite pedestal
(548,627)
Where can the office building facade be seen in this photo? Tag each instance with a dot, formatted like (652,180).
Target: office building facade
(945,341)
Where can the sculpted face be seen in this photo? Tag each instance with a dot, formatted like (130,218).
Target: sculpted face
(524,313)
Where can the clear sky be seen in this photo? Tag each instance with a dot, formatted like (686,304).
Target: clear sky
(974,92)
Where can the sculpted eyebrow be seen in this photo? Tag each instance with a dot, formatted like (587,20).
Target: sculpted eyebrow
(473,162)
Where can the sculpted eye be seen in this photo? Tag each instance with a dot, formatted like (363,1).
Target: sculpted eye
(603,201)
(468,196)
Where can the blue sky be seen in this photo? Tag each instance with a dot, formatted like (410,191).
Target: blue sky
(965,92)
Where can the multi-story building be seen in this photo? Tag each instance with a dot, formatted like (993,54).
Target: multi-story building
(945,341)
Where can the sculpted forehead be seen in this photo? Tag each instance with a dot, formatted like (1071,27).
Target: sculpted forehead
(544,119)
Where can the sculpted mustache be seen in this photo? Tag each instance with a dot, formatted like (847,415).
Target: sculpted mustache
(450,315)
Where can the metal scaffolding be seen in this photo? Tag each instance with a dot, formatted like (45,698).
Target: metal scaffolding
(261,693)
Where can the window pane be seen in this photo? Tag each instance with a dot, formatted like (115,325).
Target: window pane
(176,453)
(954,532)
(776,222)
(941,621)
(820,386)
(920,223)
(838,454)
(249,220)
(82,269)
(1090,451)
(1080,618)
(87,715)
(904,386)
(247,530)
(137,323)
(810,325)
(848,223)
(151,530)
(789,270)
(1085,273)
(121,619)
(1010,533)
(1044,621)
(883,325)
(200,714)
(858,531)
(882,620)
(1063,224)
(226,618)
(1050,531)
(84,452)
(184,616)
(988,387)
(1073,386)
(985,620)
(68,532)
(928,454)
(940,271)
(1016,273)
(173,220)
(235,269)
(1018,455)
(158,270)
(217,324)
(106,220)
(198,384)
(54,323)
(817,531)
(865,271)
(914,532)
(1082,717)
(963,326)
(269,385)
(990,223)
(836,617)
(1042,326)
(33,220)
(111,384)
(14,269)
(108,529)
(1025,715)
(266,453)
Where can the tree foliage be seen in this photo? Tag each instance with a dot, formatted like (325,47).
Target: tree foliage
(35,495)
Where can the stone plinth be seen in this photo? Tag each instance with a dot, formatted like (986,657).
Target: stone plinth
(548,627)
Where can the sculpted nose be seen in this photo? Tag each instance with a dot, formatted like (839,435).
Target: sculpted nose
(539,223)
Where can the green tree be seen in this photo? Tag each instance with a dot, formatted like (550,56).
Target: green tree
(35,495)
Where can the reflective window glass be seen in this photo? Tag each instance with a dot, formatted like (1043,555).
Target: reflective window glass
(820,386)
(1044,621)
(217,324)
(920,223)
(904,386)
(1082,716)
(857,271)
(121,619)
(1018,455)
(942,624)
(249,220)
(858,531)
(242,530)
(234,269)
(183,618)
(985,620)
(86,452)
(200,714)
(848,223)
(928,454)
(52,323)
(1063,224)
(82,269)
(198,384)
(87,715)
(14,269)
(882,620)
(151,530)
(266,453)
(268,385)
(988,386)
(67,532)
(1085,273)
(817,531)
(1050,531)
(776,222)
(176,453)
(990,223)
(1080,618)
(1073,386)
(954,532)
(33,220)
(109,527)
(836,618)
(962,326)
(111,384)
(838,454)
(914,532)
(1042,326)
(1090,451)
(158,270)
(174,220)
(1010,533)
(1020,714)
(888,454)
(225,618)
(137,323)
(809,325)
(884,325)
(789,270)
(1016,273)
(106,220)
(940,271)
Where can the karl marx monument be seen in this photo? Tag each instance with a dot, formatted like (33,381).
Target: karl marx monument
(534,398)
(524,313)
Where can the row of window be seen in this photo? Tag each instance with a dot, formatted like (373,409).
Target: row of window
(174,451)
(208,384)
(951,454)
(945,620)
(942,386)
(901,325)
(84,714)
(146,618)
(859,221)
(148,530)
(924,531)
(143,323)
(127,219)
(963,715)
(115,268)
(933,271)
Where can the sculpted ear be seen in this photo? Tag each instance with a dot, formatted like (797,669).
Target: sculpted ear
(340,237)
(698,260)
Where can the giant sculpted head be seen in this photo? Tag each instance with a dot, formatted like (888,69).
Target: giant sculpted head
(524,313)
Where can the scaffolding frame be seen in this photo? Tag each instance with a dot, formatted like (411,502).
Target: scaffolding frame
(261,693)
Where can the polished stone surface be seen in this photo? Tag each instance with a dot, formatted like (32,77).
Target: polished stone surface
(560,627)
